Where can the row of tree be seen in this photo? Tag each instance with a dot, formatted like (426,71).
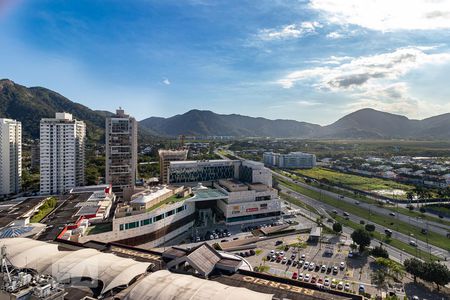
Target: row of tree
(429,271)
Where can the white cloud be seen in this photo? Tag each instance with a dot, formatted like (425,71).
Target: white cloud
(291,31)
(166,81)
(307,103)
(358,72)
(335,35)
(387,15)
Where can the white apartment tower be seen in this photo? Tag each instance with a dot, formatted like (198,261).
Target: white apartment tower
(10,156)
(121,151)
(62,143)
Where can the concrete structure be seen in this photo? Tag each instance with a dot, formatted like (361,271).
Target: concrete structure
(121,151)
(185,172)
(62,146)
(10,156)
(293,160)
(167,156)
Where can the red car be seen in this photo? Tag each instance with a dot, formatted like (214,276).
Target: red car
(320,280)
(313,279)
(295,276)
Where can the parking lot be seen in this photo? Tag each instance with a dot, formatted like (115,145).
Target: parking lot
(327,264)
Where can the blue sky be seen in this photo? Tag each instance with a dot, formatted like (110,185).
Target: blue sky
(306,60)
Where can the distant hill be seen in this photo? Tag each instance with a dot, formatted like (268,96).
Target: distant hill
(365,123)
(30,105)
(207,123)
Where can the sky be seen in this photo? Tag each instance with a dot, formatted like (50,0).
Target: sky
(307,60)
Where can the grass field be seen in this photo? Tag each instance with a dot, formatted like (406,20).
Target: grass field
(386,221)
(390,241)
(298,203)
(44,210)
(354,181)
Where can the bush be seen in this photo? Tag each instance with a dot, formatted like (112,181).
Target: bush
(379,252)
(370,227)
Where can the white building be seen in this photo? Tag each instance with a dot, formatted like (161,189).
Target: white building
(121,151)
(10,156)
(293,160)
(62,143)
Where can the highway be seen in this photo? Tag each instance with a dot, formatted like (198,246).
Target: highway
(396,235)
(441,253)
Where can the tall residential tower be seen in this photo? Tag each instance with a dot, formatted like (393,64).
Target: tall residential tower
(10,156)
(62,142)
(121,151)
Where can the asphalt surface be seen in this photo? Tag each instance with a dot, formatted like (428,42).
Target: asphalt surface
(396,235)
(436,227)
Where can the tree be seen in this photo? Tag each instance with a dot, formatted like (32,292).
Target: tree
(437,273)
(379,279)
(337,227)
(370,227)
(414,267)
(410,195)
(379,252)
(362,238)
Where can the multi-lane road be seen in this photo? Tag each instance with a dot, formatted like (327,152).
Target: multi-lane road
(436,227)
(443,254)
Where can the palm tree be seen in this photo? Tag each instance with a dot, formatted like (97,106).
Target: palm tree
(379,278)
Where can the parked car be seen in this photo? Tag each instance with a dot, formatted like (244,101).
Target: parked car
(306,265)
(335,270)
(294,263)
(300,276)
(347,287)
(313,279)
(307,278)
(326,282)
(361,288)
(340,285)
(342,265)
(278,243)
(294,275)
(324,268)
(333,283)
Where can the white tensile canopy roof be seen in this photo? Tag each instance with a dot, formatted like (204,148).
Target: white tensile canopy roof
(113,271)
(164,285)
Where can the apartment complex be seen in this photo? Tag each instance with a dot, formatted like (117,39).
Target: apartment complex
(121,151)
(62,145)
(165,157)
(10,156)
(293,160)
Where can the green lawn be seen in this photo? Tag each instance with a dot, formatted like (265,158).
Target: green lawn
(171,200)
(415,213)
(387,221)
(99,228)
(44,210)
(390,241)
(354,181)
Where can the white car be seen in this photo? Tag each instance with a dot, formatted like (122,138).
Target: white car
(306,265)
(272,252)
(340,285)
(281,252)
(307,278)
(300,276)
(311,266)
(347,287)
(303,256)
(342,265)
(326,282)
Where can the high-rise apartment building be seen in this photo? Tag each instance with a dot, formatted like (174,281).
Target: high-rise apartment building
(62,143)
(121,151)
(10,156)
(165,157)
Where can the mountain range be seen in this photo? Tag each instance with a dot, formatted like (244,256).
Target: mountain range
(29,105)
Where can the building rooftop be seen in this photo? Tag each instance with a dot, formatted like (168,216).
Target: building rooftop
(151,194)
(208,194)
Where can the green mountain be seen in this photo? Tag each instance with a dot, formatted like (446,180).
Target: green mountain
(30,105)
